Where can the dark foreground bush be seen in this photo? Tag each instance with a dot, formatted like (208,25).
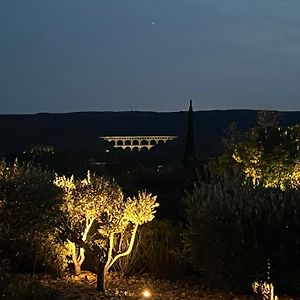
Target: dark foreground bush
(236,232)
(162,249)
(158,250)
(20,287)
(37,254)
(29,214)
(4,270)
(134,262)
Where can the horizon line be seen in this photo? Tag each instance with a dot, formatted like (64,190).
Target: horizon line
(143,111)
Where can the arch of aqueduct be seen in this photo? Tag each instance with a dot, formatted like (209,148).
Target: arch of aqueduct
(137,142)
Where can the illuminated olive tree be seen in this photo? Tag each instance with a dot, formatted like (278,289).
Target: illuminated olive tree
(270,156)
(84,202)
(119,219)
(97,217)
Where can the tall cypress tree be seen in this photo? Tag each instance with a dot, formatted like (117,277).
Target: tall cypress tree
(189,144)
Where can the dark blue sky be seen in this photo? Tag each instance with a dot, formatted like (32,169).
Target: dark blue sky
(75,55)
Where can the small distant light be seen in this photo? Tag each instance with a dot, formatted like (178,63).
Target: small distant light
(107,150)
(146,293)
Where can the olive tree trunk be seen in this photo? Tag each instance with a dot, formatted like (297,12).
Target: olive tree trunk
(101,276)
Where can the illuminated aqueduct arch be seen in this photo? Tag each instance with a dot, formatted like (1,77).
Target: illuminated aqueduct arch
(138,142)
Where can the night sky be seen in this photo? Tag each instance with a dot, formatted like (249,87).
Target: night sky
(92,55)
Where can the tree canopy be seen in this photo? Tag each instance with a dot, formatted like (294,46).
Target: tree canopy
(270,156)
(97,216)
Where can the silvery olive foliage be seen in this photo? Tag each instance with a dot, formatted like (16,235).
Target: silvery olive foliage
(270,156)
(85,203)
(97,216)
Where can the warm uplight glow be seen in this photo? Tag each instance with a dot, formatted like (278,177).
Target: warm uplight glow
(265,290)
(146,293)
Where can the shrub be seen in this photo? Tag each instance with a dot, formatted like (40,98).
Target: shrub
(158,250)
(234,229)
(26,288)
(4,270)
(134,262)
(28,200)
(28,214)
(51,254)
(162,249)
(39,253)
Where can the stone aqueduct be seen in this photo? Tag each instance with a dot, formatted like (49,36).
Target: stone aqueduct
(137,142)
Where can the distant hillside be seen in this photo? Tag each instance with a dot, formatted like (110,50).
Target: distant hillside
(82,130)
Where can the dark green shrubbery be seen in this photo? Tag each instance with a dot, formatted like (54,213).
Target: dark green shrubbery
(19,287)
(28,214)
(162,249)
(44,252)
(134,262)
(4,270)
(51,253)
(158,250)
(235,229)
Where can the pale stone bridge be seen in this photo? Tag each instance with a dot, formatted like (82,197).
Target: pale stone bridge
(138,142)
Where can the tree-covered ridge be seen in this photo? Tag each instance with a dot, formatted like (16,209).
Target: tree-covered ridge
(80,131)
